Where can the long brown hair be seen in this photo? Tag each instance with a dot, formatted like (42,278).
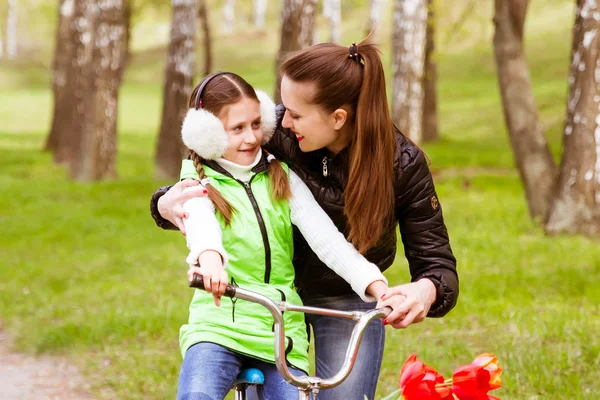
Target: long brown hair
(220,92)
(360,83)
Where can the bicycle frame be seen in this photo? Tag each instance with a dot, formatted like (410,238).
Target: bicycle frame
(306,384)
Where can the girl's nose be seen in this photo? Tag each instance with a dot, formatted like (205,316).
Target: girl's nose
(249,136)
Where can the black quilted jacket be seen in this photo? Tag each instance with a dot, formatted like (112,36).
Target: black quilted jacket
(418,211)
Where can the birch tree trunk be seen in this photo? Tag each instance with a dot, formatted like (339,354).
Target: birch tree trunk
(375,10)
(408,60)
(332,10)
(297,32)
(11,30)
(96,157)
(177,89)
(228,16)
(430,114)
(63,99)
(576,208)
(259,11)
(206,36)
(530,148)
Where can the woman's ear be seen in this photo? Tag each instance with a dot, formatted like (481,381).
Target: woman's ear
(340,116)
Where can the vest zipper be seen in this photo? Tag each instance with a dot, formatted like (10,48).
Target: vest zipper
(325,169)
(263,229)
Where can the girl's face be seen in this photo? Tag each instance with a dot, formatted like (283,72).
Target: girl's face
(314,127)
(243,126)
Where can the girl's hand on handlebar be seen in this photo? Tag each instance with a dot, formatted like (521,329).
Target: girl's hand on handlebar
(170,204)
(213,272)
(418,298)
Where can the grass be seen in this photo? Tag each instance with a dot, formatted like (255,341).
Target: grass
(87,275)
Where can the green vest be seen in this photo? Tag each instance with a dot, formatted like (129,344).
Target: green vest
(259,245)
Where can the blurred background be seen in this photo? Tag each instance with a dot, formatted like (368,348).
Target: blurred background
(502,95)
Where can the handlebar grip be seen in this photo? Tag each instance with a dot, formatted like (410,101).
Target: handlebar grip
(198,283)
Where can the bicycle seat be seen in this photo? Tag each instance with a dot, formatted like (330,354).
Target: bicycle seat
(250,376)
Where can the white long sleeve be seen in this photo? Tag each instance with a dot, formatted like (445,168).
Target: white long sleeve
(202,228)
(328,243)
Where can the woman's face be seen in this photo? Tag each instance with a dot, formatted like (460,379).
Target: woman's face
(244,130)
(314,127)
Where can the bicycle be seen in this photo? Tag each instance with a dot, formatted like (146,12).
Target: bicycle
(306,385)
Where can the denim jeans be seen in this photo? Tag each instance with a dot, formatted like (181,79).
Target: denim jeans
(208,372)
(331,335)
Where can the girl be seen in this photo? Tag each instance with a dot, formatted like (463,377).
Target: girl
(256,200)
(336,133)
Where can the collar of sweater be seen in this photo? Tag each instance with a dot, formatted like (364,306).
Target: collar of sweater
(240,172)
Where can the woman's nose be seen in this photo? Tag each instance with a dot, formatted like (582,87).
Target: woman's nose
(286,121)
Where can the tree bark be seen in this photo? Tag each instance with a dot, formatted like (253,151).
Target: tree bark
(531,150)
(228,16)
(177,89)
(430,114)
(259,8)
(332,10)
(297,32)
(63,99)
(96,157)
(11,30)
(408,60)
(576,208)
(206,36)
(375,10)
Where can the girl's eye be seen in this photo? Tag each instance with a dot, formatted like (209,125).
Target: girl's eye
(256,125)
(237,128)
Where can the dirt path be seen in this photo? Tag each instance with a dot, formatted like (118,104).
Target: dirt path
(38,378)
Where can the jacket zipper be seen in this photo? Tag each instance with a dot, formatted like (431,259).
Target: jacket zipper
(263,229)
(325,168)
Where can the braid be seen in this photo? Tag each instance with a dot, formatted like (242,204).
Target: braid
(221,205)
(279,180)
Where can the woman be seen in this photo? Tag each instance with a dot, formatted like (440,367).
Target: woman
(336,133)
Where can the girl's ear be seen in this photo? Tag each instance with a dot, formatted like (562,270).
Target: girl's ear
(340,116)
(204,133)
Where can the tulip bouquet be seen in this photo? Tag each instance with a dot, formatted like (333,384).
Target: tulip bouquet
(469,382)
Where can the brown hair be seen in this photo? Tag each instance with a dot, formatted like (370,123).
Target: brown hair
(219,92)
(360,83)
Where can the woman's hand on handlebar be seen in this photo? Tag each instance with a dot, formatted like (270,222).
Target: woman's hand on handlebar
(213,272)
(170,204)
(410,302)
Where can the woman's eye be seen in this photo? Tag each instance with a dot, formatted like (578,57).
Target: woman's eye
(295,116)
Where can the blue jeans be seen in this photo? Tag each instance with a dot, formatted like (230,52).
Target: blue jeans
(331,340)
(208,372)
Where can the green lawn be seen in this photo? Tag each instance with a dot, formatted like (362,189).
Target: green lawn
(86,274)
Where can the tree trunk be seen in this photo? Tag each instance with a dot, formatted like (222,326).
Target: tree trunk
(96,157)
(228,16)
(430,114)
(576,208)
(259,11)
(1,46)
(531,151)
(206,37)
(332,10)
(63,99)
(297,32)
(11,30)
(408,60)
(178,87)
(375,10)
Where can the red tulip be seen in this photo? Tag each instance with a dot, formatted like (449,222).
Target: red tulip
(489,362)
(471,382)
(418,381)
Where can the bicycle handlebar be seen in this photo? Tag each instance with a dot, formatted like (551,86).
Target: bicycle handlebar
(276,308)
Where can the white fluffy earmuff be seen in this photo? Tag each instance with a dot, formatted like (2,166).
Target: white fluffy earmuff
(204,133)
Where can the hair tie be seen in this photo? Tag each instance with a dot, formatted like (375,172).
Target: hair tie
(270,158)
(353,50)
(205,181)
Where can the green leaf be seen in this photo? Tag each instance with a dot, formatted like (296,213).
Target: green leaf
(392,396)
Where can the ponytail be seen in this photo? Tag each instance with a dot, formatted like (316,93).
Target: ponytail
(354,76)
(280,182)
(221,205)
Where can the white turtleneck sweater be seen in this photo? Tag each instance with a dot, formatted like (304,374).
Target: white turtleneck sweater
(203,231)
